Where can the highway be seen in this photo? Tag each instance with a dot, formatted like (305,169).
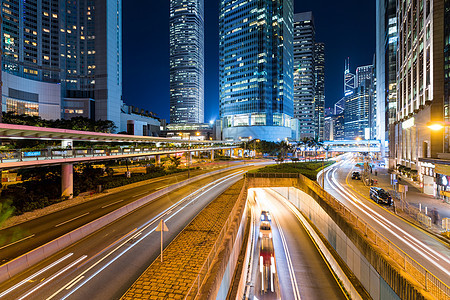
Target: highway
(104,264)
(301,271)
(429,251)
(20,239)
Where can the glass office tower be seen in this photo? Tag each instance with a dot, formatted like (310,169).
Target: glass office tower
(186,61)
(256,69)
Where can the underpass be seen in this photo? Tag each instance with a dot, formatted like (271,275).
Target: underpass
(301,270)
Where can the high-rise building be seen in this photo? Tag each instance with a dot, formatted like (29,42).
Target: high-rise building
(339,106)
(386,74)
(57,50)
(357,111)
(319,68)
(423,91)
(255,69)
(304,74)
(309,77)
(349,79)
(187,61)
(363,73)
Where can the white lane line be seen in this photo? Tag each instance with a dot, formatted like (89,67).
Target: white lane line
(293,279)
(107,205)
(145,226)
(138,195)
(51,278)
(34,275)
(25,238)
(161,187)
(345,193)
(73,219)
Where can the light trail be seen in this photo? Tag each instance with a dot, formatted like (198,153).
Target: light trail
(35,275)
(211,186)
(292,277)
(381,220)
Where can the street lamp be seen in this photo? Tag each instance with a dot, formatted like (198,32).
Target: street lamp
(437,125)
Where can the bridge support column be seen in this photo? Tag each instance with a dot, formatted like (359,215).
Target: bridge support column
(212,154)
(67,180)
(158,160)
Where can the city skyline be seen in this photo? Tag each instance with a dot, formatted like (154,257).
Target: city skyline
(155,96)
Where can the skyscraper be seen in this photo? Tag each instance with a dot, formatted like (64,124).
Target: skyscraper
(59,52)
(357,111)
(304,75)
(255,69)
(386,74)
(319,69)
(186,61)
(349,79)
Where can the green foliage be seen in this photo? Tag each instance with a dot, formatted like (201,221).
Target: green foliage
(309,169)
(76,123)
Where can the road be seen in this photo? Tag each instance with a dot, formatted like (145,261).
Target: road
(302,272)
(104,264)
(429,251)
(20,239)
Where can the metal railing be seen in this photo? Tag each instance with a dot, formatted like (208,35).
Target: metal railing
(20,155)
(427,280)
(202,273)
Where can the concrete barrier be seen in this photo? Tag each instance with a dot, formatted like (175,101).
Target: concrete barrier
(15,266)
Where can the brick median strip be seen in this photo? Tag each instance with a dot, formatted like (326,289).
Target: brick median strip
(186,254)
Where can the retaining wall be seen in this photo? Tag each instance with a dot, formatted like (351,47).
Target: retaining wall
(379,275)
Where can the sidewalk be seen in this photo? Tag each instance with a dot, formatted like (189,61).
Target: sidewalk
(414,196)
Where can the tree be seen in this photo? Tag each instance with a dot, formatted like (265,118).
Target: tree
(284,148)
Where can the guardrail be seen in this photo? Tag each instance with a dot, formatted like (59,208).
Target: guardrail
(425,278)
(49,154)
(196,285)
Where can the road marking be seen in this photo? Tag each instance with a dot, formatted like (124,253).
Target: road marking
(144,227)
(51,278)
(71,220)
(25,238)
(161,187)
(35,275)
(141,194)
(112,204)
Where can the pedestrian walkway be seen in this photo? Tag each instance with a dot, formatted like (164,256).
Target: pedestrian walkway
(414,196)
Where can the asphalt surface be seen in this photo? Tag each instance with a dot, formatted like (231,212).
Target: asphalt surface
(302,273)
(431,252)
(20,239)
(104,264)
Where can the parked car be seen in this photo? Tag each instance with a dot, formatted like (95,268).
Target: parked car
(380,196)
(265,216)
(356,175)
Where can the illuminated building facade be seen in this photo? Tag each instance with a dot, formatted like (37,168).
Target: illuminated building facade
(386,74)
(186,61)
(74,45)
(422,91)
(255,69)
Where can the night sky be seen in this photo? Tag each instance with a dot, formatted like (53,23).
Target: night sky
(347,27)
